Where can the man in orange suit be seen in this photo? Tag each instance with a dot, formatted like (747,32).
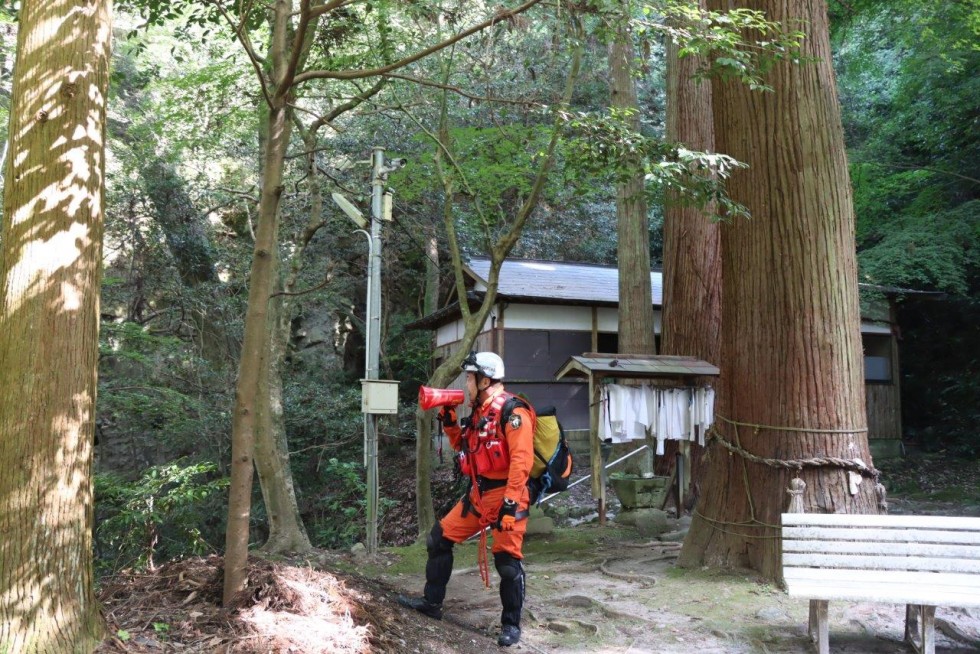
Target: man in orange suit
(496,451)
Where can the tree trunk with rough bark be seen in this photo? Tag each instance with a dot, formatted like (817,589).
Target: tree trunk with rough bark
(50,270)
(636,329)
(691,319)
(791,350)
(263,277)
(423,419)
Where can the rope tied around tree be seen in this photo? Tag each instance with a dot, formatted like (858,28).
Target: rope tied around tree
(713,435)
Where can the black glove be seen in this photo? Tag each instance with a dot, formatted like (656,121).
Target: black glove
(447,416)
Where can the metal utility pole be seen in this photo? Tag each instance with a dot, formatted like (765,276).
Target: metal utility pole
(377,396)
(373,323)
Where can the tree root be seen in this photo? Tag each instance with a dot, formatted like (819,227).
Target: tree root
(583,602)
(654,543)
(666,556)
(626,577)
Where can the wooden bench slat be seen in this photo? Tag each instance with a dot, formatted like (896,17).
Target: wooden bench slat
(855,584)
(938,589)
(930,550)
(886,577)
(882,562)
(856,591)
(880,534)
(867,520)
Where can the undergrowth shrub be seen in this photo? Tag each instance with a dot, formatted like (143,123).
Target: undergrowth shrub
(158,516)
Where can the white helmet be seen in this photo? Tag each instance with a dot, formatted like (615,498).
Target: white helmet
(487,364)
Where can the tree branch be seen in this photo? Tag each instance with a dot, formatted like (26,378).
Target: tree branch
(916,167)
(351,104)
(242,36)
(327,7)
(459,91)
(501,14)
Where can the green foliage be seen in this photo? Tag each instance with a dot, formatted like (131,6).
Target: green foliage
(154,390)
(158,515)
(908,106)
(340,512)
(910,97)
(932,251)
(605,145)
(410,361)
(321,412)
(719,39)
(494,168)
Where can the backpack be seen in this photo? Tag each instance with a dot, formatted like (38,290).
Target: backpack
(552,466)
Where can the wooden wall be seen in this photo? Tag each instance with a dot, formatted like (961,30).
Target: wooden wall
(884,411)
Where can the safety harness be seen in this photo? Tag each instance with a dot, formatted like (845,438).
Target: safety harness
(484,484)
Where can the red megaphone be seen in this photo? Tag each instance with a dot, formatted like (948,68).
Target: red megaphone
(429,398)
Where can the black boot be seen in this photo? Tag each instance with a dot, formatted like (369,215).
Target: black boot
(421,605)
(511,597)
(438,569)
(509,634)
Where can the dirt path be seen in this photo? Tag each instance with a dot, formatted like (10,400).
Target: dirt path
(599,590)
(590,589)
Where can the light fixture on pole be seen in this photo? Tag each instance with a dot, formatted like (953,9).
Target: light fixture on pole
(348,208)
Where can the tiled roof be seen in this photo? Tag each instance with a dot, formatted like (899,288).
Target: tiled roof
(635,366)
(558,280)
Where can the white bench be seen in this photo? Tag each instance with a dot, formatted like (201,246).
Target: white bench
(920,561)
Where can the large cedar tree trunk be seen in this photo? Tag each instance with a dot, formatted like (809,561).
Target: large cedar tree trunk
(635,314)
(691,323)
(791,349)
(50,269)
(636,330)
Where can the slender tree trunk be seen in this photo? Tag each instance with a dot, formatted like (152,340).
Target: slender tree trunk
(791,349)
(50,269)
(287,533)
(255,349)
(423,419)
(691,322)
(286,530)
(636,329)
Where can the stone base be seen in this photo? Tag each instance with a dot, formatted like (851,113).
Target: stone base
(639,492)
(648,522)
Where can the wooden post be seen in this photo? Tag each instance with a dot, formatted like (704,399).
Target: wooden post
(819,631)
(920,628)
(598,487)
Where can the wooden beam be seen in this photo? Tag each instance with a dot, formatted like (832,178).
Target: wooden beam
(595,451)
(819,630)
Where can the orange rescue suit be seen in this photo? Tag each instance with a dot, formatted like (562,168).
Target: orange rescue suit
(483,446)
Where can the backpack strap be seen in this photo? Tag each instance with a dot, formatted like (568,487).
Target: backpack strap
(505,403)
(512,403)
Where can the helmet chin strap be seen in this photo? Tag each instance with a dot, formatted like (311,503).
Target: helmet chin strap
(481,394)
